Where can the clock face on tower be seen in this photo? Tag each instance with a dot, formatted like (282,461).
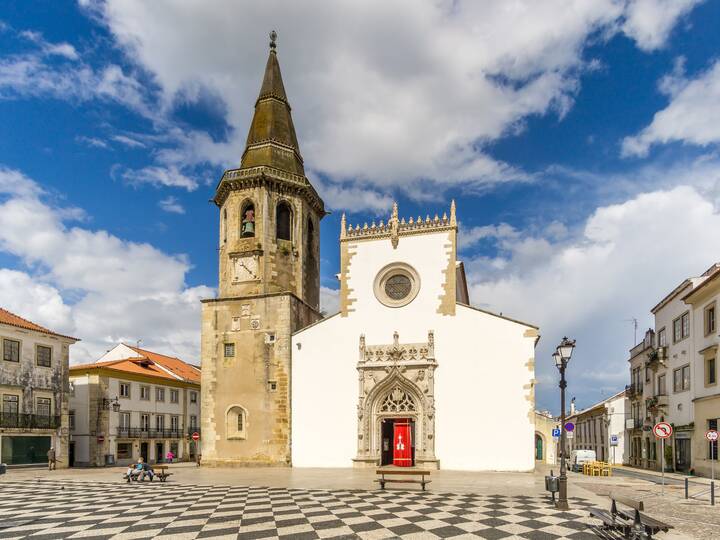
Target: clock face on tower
(245,268)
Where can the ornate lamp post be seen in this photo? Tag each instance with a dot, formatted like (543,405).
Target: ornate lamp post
(562,356)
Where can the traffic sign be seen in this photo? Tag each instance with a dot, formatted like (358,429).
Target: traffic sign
(196,436)
(556,432)
(569,426)
(711,435)
(662,430)
(613,440)
(569,434)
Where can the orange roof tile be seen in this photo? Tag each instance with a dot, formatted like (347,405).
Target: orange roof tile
(180,368)
(6,317)
(139,366)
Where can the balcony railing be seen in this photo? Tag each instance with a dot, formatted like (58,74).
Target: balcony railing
(29,421)
(142,433)
(634,390)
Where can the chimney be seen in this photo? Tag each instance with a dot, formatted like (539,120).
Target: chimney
(572,406)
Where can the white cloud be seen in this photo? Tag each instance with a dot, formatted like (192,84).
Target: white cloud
(693,115)
(91,141)
(58,49)
(649,22)
(329,300)
(159,176)
(128,141)
(625,258)
(409,92)
(97,287)
(34,300)
(171,204)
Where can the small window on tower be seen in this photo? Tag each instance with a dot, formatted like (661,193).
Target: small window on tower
(247,220)
(310,237)
(284,221)
(224,226)
(229,350)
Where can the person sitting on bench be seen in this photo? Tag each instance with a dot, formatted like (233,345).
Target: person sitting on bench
(148,471)
(134,470)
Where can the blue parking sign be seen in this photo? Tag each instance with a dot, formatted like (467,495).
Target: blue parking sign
(556,432)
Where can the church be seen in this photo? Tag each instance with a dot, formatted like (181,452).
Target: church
(406,374)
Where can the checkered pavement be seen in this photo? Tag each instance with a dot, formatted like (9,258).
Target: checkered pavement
(45,509)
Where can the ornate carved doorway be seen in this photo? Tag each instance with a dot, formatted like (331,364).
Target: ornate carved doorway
(396,404)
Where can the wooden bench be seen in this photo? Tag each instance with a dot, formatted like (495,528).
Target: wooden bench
(161,471)
(401,471)
(636,526)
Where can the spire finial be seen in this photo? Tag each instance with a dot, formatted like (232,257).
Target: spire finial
(343,226)
(453,218)
(273,38)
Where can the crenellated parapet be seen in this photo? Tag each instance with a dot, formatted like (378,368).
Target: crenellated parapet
(395,227)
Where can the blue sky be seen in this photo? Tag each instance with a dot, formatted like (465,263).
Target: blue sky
(579,139)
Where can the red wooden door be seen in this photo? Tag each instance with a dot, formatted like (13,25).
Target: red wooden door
(402,444)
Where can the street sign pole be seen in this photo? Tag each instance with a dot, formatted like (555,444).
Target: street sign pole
(662,466)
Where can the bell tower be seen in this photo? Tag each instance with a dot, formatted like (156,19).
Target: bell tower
(269,287)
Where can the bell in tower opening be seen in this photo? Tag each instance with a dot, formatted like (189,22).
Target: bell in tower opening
(268,288)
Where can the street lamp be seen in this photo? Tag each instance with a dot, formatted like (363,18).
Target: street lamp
(562,356)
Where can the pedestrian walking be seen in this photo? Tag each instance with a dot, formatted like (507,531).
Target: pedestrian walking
(170,456)
(51,459)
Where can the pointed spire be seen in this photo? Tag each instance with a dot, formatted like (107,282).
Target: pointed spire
(343,225)
(453,219)
(272,140)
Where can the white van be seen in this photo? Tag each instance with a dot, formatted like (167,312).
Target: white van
(578,457)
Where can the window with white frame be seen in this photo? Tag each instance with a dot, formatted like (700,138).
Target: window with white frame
(159,394)
(125,390)
(193,397)
(145,422)
(125,421)
(662,388)
(229,350)
(160,422)
(710,371)
(174,396)
(662,338)
(145,393)
(193,421)
(175,423)
(11,404)
(681,379)
(710,319)
(42,406)
(681,327)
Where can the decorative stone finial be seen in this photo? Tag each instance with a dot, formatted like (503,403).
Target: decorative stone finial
(343,224)
(273,38)
(394,227)
(453,219)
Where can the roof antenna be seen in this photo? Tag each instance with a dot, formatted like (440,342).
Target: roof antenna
(137,343)
(273,38)
(635,325)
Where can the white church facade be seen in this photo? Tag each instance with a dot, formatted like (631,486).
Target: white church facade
(407,373)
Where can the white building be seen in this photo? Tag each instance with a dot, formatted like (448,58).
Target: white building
(601,427)
(34,392)
(131,403)
(407,360)
(673,376)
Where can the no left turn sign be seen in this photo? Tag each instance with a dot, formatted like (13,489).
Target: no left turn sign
(711,435)
(662,430)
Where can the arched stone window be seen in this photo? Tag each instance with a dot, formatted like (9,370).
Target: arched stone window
(236,422)
(283,221)
(247,220)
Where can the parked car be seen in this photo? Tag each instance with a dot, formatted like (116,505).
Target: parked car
(578,457)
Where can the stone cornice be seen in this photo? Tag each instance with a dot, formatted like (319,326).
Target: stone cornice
(235,179)
(396,353)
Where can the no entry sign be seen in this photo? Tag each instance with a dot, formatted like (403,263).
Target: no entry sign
(196,436)
(662,430)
